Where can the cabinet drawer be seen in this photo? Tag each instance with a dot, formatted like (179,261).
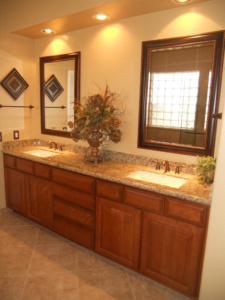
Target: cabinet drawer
(144,199)
(42,170)
(109,190)
(185,211)
(74,196)
(74,213)
(10,161)
(24,165)
(74,180)
(74,232)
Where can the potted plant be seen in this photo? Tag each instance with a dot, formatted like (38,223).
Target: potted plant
(206,168)
(96,121)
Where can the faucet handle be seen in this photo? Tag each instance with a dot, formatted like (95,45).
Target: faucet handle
(167,166)
(51,145)
(177,170)
(157,167)
(60,147)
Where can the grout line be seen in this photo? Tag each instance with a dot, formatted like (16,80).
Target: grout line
(78,292)
(25,282)
(132,291)
(103,268)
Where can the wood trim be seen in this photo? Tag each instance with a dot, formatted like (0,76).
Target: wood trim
(25,165)
(109,190)
(74,180)
(43,171)
(9,161)
(182,210)
(144,199)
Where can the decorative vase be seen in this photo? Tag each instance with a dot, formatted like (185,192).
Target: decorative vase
(94,141)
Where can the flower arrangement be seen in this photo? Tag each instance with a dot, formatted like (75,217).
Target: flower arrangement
(206,168)
(97,114)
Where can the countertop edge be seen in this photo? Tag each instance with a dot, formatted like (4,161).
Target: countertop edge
(161,189)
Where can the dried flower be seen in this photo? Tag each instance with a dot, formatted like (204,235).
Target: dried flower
(98,113)
(117,123)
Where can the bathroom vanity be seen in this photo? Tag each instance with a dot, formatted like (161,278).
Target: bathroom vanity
(158,234)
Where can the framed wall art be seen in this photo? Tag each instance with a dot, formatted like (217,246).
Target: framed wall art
(53,88)
(14,84)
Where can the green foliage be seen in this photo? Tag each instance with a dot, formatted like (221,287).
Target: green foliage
(206,168)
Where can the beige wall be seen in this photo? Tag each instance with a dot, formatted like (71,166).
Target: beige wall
(112,53)
(16,52)
(213,286)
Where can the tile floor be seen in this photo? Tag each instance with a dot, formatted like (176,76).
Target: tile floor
(36,264)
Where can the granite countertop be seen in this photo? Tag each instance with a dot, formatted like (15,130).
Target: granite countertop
(116,171)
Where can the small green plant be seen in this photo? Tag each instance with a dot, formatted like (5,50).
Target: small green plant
(206,168)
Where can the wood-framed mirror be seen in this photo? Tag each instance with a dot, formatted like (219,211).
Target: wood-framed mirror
(60,85)
(179,95)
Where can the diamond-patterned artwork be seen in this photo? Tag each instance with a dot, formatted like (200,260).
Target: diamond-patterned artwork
(53,88)
(14,84)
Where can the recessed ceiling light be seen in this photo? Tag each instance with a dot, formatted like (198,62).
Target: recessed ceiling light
(181,1)
(48,31)
(101,17)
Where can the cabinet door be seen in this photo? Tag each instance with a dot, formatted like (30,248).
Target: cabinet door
(40,201)
(118,232)
(171,252)
(15,190)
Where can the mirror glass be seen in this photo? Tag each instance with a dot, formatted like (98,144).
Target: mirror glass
(60,85)
(180,93)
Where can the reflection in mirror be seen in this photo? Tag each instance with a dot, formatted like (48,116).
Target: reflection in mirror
(179,93)
(60,80)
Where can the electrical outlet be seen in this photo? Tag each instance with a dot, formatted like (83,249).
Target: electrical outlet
(0,137)
(16,134)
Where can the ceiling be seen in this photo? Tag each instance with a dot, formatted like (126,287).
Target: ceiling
(82,17)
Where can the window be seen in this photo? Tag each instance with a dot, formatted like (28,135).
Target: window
(172,99)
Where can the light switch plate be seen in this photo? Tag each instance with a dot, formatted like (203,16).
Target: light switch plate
(16,134)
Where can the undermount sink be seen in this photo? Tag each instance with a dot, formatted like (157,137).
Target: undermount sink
(175,182)
(41,153)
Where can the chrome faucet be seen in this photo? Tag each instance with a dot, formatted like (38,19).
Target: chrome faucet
(51,147)
(167,166)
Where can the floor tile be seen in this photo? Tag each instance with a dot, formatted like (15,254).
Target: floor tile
(5,210)
(51,287)
(4,215)
(3,219)
(17,220)
(87,260)
(15,260)
(147,289)
(47,237)
(53,259)
(104,284)
(18,236)
(38,264)
(11,287)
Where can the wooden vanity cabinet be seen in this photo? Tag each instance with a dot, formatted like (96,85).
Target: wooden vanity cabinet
(159,236)
(26,192)
(118,232)
(15,188)
(74,206)
(171,252)
(172,239)
(39,193)
(118,226)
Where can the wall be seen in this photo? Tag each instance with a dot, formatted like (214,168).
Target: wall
(112,53)
(213,275)
(15,52)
